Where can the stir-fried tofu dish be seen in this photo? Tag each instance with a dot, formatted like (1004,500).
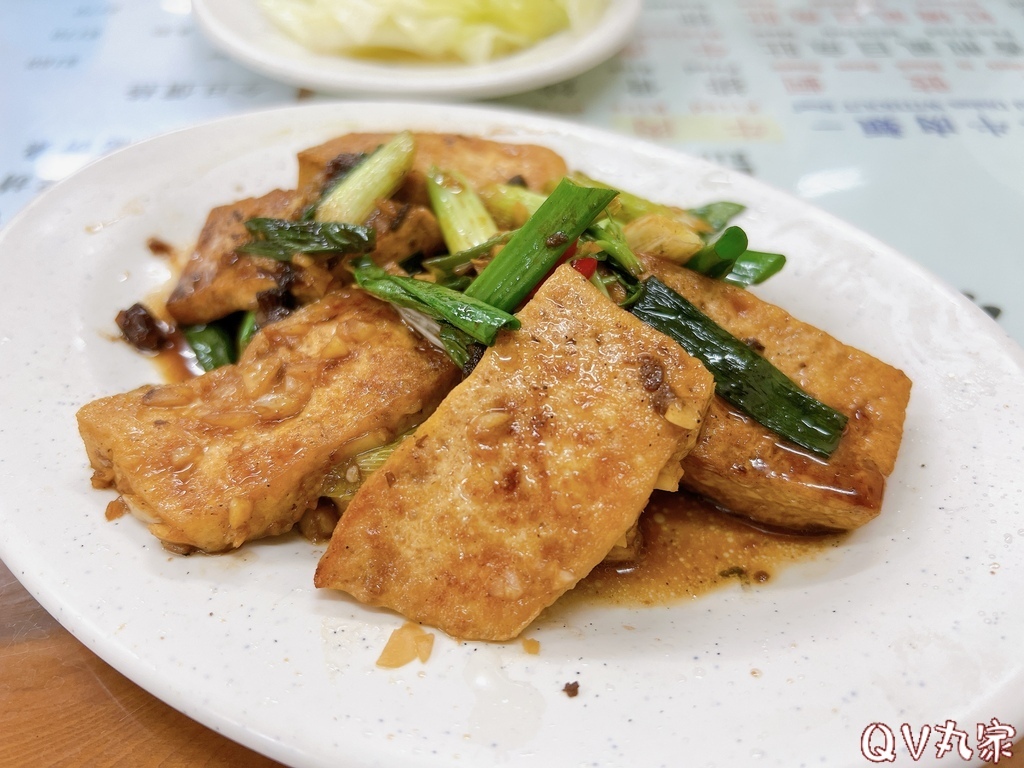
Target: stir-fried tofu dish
(468,369)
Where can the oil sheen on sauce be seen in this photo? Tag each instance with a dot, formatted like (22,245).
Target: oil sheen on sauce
(690,548)
(176,363)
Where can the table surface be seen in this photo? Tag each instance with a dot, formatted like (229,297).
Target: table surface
(905,118)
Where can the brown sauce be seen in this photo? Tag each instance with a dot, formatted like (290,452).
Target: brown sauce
(691,548)
(175,362)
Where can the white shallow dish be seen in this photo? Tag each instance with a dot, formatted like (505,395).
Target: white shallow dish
(912,621)
(243,32)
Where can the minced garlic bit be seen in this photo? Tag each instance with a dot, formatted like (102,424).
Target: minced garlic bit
(531,646)
(406,644)
(115,509)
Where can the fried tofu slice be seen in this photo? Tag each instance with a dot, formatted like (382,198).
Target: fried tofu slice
(480,161)
(241,452)
(216,280)
(403,229)
(528,474)
(749,470)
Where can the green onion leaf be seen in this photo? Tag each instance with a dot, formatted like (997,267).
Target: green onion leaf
(211,344)
(754,267)
(247,328)
(607,234)
(479,320)
(454,264)
(718,215)
(742,377)
(460,347)
(280,239)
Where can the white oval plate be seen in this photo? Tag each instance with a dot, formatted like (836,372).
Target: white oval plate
(913,621)
(243,32)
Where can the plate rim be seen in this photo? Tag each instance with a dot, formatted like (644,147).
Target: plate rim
(352,77)
(537,123)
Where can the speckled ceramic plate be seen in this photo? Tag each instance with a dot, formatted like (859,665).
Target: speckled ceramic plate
(243,32)
(913,621)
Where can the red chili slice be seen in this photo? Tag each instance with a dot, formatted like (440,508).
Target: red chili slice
(586,266)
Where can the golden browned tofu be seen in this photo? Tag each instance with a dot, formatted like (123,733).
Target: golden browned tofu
(529,472)
(216,280)
(748,469)
(481,161)
(403,229)
(242,452)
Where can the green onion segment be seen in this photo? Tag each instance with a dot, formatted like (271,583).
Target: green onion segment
(377,177)
(742,377)
(461,215)
(538,245)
